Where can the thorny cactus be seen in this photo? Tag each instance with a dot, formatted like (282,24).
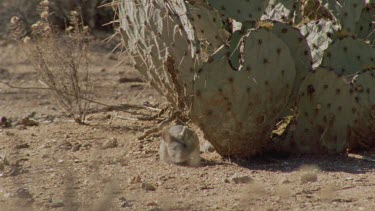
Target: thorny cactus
(236,67)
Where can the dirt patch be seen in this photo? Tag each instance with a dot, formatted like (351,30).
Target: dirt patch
(60,165)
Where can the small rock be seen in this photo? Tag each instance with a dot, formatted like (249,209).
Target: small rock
(237,179)
(207,147)
(65,145)
(4,160)
(147,186)
(57,205)
(2,165)
(124,202)
(135,180)
(111,143)
(8,133)
(285,181)
(22,146)
(4,122)
(152,204)
(76,147)
(86,146)
(309,177)
(23,193)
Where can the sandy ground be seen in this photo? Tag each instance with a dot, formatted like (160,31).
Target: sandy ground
(60,165)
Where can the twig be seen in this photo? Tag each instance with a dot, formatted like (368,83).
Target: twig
(18,87)
(361,157)
(47,88)
(159,127)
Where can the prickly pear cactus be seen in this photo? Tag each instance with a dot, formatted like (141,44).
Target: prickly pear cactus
(235,84)
(326,114)
(237,109)
(348,56)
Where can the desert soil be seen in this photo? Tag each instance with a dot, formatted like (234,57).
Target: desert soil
(61,165)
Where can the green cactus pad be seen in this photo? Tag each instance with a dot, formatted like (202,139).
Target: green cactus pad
(240,10)
(164,53)
(326,113)
(319,35)
(348,56)
(347,12)
(362,135)
(237,109)
(365,28)
(298,47)
(207,24)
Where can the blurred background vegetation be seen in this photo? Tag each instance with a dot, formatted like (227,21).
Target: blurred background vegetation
(94,15)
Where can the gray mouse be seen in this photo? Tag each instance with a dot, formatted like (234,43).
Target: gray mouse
(180,145)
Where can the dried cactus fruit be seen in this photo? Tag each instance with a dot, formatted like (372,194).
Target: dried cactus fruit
(237,109)
(348,56)
(319,35)
(241,10)
(327,112)
(365,28)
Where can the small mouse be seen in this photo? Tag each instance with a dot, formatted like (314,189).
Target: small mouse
(180,145)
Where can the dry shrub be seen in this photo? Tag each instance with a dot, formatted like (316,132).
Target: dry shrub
(60,59)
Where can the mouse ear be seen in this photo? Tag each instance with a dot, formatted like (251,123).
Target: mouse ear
(166,136)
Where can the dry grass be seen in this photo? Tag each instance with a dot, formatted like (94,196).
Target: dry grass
(60,59)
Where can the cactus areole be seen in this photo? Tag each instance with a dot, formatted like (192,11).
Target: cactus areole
(236,68)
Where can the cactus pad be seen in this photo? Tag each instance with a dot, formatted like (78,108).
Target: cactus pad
(237,109)
(164,53)
(348,56)
(327,112)
(240,10)
(365,28)
(298,47)
(363,133)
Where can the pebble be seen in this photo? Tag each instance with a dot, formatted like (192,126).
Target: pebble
(285,181)
(135,180)
(206,147)
(111,143)
(238,179)
(76,147)
(23,193)
(152,204)
(147,186)
(57,205)
(309,177)
(8,133)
